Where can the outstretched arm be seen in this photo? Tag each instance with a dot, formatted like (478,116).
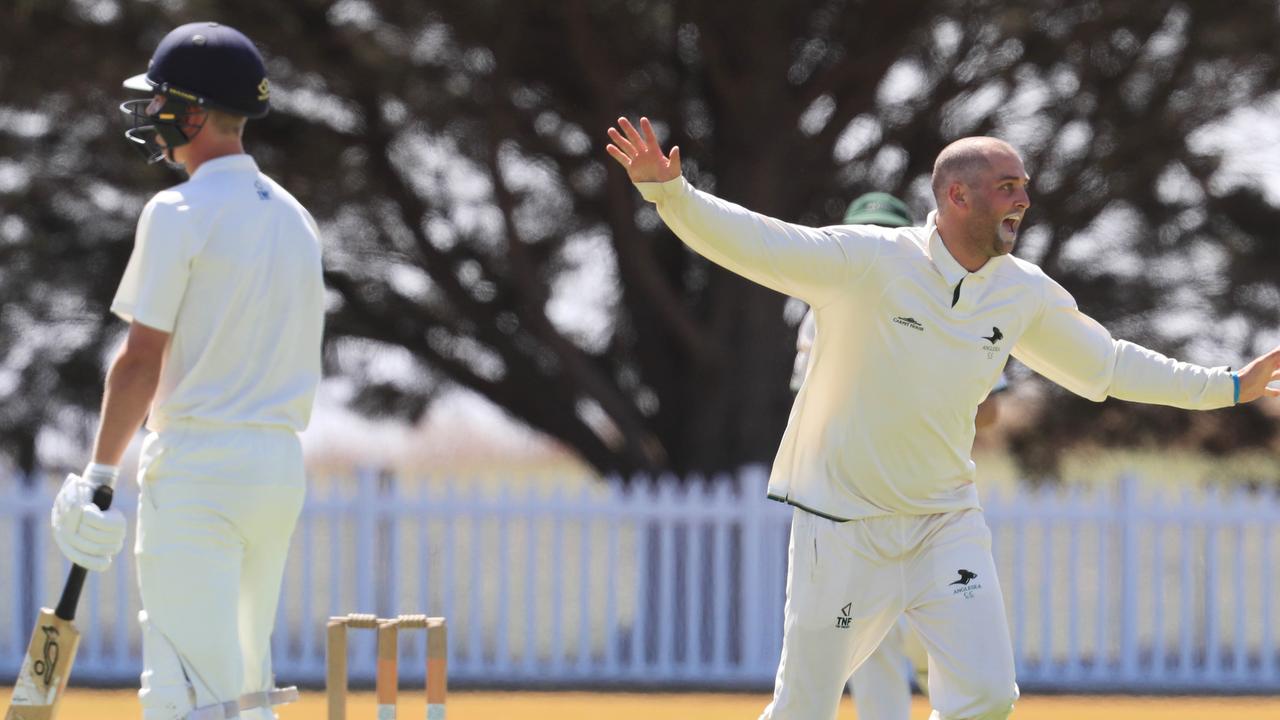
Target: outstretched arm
(809,263)
(1074,351)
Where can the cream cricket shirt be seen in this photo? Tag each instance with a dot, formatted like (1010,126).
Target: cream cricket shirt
(884,421)
(229,263)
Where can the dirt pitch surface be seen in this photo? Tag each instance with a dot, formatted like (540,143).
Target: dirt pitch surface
(82,704)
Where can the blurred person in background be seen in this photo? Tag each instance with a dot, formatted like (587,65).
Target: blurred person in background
(914,326)
(881,686)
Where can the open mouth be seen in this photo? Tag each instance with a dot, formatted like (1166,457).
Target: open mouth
(1010,224)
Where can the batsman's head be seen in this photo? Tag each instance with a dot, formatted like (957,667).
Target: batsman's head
(980,185)
(198,70)
(877,208)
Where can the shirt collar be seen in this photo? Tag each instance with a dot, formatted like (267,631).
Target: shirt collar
(239,162)
(952,271)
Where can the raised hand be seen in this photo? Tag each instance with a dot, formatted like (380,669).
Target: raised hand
(1257,376)
(638,151)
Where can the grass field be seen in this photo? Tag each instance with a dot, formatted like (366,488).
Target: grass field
(82,704)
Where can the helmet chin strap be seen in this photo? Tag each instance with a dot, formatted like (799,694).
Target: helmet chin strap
(169,151)
(172,161)
(158,134)
(171,125)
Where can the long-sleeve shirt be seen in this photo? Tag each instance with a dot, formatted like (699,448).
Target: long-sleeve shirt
(805,335)
(908,344)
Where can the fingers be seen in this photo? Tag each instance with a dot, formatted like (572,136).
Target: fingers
(94,563)
(83,544)
(105,529)
(621,142)
(635,142)
(85,559)
(632,134)
(103,540)
(618,155)
(646,128)
(640,153)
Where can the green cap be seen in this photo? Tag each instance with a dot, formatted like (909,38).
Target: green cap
(877,208)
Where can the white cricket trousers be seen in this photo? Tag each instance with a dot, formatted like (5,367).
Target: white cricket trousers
(216,511)
(849,582)
(881,686)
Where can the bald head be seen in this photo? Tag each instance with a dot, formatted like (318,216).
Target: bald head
(980,185)
(965,161)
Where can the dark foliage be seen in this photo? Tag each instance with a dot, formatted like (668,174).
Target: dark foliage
(453,153)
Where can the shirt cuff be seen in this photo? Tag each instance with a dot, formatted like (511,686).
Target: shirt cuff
(656,192)
(1235,380)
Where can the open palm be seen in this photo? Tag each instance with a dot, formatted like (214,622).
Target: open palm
(639,152)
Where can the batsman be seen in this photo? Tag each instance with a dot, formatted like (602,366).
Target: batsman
(914,325)
(225,303)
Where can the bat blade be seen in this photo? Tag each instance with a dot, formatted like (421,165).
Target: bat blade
(47,666)
(45,669)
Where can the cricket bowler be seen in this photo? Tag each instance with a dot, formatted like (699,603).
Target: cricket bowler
(914,326)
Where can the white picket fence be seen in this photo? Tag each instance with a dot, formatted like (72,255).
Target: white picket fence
(572,582)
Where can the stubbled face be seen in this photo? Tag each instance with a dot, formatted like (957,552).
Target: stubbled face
(998,201)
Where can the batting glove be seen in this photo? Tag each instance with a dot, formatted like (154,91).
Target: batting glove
(86,535)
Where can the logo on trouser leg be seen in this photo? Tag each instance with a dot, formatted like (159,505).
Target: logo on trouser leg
(846,616)
(966,577)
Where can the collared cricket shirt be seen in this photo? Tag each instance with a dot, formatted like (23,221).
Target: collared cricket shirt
(908,344)
(229,264)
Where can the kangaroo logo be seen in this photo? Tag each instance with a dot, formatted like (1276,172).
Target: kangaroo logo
(45,667)
(995,336)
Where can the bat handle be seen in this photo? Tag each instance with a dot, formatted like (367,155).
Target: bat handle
(66,608)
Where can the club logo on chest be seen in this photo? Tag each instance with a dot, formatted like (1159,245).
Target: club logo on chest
(909,322)
(993,342)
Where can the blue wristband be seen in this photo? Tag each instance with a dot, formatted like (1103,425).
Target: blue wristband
(1235,379)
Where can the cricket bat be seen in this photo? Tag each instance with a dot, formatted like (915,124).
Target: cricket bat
(52,650)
